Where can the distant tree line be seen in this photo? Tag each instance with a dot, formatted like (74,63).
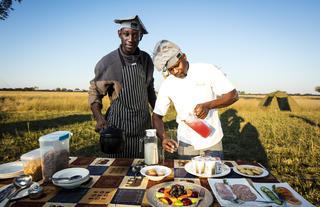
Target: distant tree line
(6,7)
(37,89)
(291,94)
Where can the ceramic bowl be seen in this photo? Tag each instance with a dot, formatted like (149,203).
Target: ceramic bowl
(157,168)
(69,172)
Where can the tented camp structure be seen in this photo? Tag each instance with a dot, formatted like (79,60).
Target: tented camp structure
(279,101)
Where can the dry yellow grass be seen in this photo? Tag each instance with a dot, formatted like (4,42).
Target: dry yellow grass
(44,101)
(287,143)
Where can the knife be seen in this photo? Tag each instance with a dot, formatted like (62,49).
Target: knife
(5,192)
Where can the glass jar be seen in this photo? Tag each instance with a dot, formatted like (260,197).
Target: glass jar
(151,156)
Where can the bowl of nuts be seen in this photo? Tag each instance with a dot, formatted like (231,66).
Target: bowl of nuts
(155,172)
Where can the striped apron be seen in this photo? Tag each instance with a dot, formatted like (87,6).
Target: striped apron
(130,111)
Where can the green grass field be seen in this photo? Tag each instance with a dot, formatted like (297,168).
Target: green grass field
(287,143)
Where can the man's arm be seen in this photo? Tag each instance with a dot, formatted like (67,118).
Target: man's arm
(95,103)
(152,95)
(150,80)
(167,143)
(201,110)
(96,111)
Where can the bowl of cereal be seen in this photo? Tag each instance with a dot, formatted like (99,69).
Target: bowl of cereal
(155,172)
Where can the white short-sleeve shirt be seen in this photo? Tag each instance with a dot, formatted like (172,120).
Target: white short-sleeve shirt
(202,84)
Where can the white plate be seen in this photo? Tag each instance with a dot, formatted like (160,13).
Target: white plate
(304,202)
(167,171)
(151,194)
(190,169)
(233,181)
(264,171)
(11,170)
(69,172)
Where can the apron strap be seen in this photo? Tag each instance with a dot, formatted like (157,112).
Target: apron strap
(121,58)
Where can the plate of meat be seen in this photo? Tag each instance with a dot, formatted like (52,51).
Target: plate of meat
(235,192)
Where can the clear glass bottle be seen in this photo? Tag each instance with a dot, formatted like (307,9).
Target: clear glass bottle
(151,156)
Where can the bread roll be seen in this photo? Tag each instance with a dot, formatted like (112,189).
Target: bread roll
(152,172)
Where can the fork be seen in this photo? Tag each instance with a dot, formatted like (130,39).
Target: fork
(242,202)
(201,196)
(5,192)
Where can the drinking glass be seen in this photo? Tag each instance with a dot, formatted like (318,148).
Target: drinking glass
(173,135)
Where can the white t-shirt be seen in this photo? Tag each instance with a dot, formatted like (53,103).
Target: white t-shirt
(202,84)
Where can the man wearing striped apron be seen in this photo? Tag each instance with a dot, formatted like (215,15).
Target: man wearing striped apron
(126,76)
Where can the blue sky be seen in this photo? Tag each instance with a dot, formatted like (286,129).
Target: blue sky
(262,46)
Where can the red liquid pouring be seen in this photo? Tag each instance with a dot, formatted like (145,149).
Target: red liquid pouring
(200,127)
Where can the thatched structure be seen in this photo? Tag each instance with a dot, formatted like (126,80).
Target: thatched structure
(279,101)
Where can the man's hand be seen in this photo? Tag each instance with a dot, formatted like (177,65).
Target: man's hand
(169,145)
(101,124)
(201,110)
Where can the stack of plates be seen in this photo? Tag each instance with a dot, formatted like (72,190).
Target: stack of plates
(69,172)
(11,170)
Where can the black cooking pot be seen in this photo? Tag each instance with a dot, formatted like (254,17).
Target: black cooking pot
(112,140)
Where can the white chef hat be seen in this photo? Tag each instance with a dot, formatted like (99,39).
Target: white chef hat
(132,22)
(165,55)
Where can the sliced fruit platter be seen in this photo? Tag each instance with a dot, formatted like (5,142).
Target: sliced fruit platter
(178,194)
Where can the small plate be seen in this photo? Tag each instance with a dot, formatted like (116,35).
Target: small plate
(190,169)
(11,170)
(264,171)
(151,194)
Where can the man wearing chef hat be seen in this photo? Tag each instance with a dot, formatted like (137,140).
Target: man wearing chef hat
(125,75)
(193,88)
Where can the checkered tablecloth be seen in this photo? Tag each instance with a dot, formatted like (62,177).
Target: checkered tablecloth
(112,184)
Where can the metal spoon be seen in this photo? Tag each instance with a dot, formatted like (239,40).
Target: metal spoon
(35,191)
(135,170)
(20,183)
(75,177)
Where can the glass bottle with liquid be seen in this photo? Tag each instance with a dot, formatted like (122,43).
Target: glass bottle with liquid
(151,156)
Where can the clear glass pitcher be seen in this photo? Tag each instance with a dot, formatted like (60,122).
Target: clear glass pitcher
(198,125)
(151,155)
